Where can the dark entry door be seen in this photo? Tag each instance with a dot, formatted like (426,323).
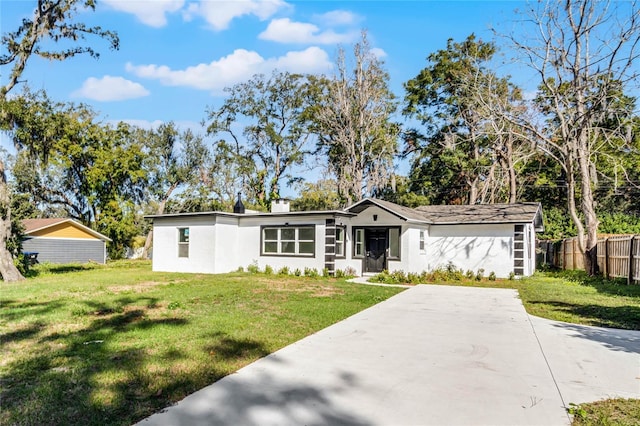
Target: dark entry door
(376,248)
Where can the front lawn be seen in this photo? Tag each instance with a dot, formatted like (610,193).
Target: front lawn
(112,345)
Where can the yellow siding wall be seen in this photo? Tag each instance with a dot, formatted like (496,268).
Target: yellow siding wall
(63,230)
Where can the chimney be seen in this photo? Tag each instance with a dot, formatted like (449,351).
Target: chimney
(280,206)
(239,207)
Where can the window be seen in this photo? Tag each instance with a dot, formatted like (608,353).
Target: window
(289,240)
(394,243)
(340,234)
(422,240)
(183,242)
(358,242)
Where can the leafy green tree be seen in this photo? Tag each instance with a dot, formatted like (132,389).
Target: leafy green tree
(320,195)
(173,161)
(466,153)
(352,120)
(90,170)
(400,192)
(52,21)
(263,119)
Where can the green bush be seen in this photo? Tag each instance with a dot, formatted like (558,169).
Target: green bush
(297,272)
(492,276)
(311,272)
(268,270)
(283,271)
(480,274)
(253,268)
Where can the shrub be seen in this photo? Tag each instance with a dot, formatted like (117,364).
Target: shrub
(383,277)
(492,276)
(253,268)
(311,272)
(349,272)
(413,278)
(469,274)
(297,272)
(268,270)
(480,274)
(283,271)
(339,273)
(512,276)
(240,269)
(399,277)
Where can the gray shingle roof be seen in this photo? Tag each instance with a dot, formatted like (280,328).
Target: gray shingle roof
(480,213)
(459,214)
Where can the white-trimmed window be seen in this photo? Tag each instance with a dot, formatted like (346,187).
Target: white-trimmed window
(289,240)
(340,241)
(183,242)
(358,242)
(394,243)
(422,249)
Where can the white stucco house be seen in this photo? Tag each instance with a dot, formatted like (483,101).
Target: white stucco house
(369,236)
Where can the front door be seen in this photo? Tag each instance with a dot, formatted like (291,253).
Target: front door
(376,249)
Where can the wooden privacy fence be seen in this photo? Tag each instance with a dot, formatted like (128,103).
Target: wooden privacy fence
(563,254)
(618,256)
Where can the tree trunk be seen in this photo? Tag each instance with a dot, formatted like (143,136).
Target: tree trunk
(8,269)
(160,210)
(590,218)
(147,244)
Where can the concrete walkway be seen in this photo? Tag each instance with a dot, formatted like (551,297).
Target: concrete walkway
(431,355)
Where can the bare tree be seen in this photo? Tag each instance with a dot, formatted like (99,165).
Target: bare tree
(352,121)
(52,20)
(585,53)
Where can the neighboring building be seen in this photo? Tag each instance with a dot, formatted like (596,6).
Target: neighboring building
(368,237)
(60,240)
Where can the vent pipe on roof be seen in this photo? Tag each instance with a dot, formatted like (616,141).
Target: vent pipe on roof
(239,207)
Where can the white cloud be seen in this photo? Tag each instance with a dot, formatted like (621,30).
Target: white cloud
(286,31)
(378,53)
(337,17)
(149,12)
(237,67)
(110,88)
(220,13)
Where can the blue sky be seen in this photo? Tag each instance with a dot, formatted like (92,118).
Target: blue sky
(176,56)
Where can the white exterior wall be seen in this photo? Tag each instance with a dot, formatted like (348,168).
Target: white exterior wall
(474,247)
(412,259)
(227,242)
(202,235)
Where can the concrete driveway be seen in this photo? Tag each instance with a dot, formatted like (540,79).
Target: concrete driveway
(431,355)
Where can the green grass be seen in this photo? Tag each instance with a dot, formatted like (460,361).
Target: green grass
(100,345)
(611,412)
